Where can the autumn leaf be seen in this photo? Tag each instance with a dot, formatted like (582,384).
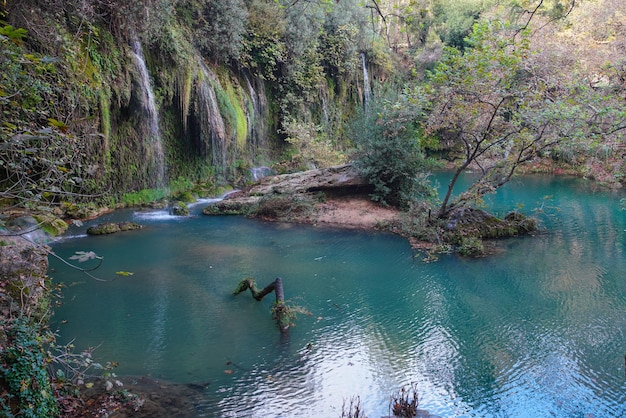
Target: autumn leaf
(82,256)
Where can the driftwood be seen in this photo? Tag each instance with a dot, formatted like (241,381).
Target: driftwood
(280,310)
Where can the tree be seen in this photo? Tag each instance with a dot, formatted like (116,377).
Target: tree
(493,112)
(220,29)
(389,154)
(264,48)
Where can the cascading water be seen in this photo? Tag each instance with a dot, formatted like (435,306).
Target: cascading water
(155,149)
(367,90)
(257,173)
(256,118)
(212,127)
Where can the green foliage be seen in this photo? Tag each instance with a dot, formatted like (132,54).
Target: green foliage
(493,111)
(42,159)
(389,155)
(310,146)
(471,246)
(143,197)
(454,19)
(345,33)
(220,28)
(264,47)
(16,35)
(23,368)
(181,186)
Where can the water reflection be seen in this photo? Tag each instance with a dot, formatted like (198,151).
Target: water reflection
(536,330)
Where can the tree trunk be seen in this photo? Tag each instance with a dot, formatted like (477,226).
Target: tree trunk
(279,310)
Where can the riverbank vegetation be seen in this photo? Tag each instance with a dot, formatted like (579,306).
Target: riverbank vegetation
(105,103)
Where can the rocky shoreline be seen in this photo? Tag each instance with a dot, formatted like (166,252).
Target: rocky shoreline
(333,197)
(339,197)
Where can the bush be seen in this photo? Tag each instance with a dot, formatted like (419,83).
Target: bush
(23,369)
(471,247)
(389,155)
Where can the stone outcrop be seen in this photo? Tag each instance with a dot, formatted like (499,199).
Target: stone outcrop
(482,224)
(23,279)
(339,180)
(111,228)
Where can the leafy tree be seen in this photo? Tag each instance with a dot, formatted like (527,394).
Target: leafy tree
(453,20)
(264,46)
(220,29)
(389,154)
(494,112)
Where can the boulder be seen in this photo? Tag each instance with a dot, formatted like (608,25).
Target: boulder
(111,228)
(179,209)
(338,180)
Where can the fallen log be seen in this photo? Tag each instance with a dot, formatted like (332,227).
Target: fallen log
(280,311)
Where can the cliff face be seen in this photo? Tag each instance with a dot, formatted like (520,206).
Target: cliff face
(130,96)
(23,280)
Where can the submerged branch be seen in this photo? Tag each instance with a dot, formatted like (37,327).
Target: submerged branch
(281,312)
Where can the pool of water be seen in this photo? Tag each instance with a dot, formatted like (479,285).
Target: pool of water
(539,329)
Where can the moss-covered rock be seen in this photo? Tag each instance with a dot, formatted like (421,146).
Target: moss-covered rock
(468,227)
(179,209)
(112,228)
(103,229)
(129,226)
(50,224)
(240,206)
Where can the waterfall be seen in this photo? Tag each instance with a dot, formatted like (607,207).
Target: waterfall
(257,115)
(155,150)
(257,173)
(212,126)
(367,91)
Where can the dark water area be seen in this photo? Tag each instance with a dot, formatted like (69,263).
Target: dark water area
(536,330)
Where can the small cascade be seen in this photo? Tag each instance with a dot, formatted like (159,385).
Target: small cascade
(367,90)
(152,115)
(257,173)
(257,116)
(212,126)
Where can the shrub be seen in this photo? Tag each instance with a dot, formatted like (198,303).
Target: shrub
(389,155)
(23,369)
(471,246)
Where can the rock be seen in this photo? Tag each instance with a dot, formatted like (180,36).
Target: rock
(111,228)
(338,180)
(179,209)
(470,222)
(23,270)
(242,205)
(103,229)
(129,226)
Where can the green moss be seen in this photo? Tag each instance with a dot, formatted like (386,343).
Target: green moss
(50,224)
(143,197)
(105,116)
(471,246)
(230,101)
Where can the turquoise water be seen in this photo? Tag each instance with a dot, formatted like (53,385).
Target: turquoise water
(537,330)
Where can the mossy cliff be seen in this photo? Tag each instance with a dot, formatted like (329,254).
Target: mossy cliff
(117,98)
(25,386)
